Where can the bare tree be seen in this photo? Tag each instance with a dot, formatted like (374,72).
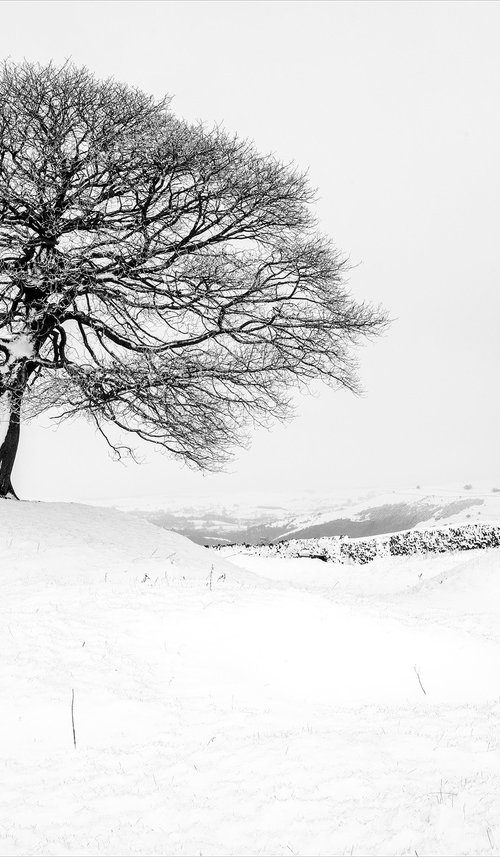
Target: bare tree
(157,276)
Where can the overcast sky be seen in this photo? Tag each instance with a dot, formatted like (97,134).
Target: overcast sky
(394,110)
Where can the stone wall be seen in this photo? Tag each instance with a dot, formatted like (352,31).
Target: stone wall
(436,540)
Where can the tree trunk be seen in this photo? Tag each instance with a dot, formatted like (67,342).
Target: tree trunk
(8,449)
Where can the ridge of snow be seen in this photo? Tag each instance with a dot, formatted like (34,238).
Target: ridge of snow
(70,542)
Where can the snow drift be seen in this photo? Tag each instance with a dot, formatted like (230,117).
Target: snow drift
(69,542)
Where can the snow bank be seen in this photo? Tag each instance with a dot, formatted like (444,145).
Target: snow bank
(68,543)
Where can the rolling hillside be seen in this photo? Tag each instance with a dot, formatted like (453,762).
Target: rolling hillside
(216,520)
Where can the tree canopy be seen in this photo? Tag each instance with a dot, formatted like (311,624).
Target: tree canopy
(156,275)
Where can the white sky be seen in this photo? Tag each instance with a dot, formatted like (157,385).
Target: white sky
(394,109)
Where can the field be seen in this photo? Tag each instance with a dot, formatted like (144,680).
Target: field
(161,699)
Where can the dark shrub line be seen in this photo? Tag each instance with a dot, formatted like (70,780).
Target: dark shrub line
(336,549)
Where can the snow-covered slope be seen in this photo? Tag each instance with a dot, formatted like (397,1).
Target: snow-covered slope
(72,543)
(393,511)
(253,706)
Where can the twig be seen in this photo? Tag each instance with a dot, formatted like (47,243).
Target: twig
(73,714)
(420,683)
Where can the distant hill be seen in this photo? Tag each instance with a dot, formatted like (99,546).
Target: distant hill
(213,521)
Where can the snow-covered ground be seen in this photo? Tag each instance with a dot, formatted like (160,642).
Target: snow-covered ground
(243,705)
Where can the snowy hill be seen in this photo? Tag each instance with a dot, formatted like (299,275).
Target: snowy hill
(72,543)
(399,510)
(253,706)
